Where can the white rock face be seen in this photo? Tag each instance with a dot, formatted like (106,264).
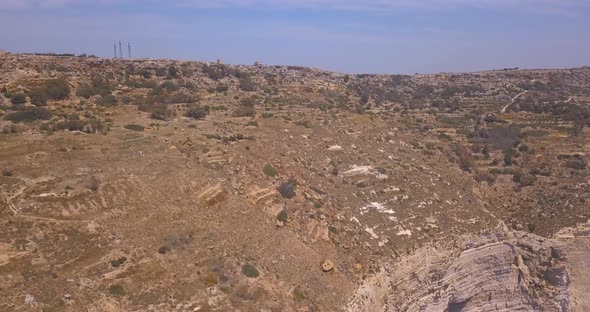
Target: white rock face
(497,271)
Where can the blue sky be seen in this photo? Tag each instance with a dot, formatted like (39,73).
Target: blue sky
(356,36)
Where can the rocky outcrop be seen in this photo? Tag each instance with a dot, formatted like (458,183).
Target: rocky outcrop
(495,271)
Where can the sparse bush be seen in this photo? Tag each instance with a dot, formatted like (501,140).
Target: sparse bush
(107,100)
(465,157)
(283,216)
(7,172)
(38,97)
(269,170)
(159,112)
(145,73)
(118,262)
(576,164)
(196,111)
(134,127)
(298,295)
(172,71)
(248,84)
(524,148)
(267,115)
(246,108)
(221,88)
(57,89)
(481,176)
(524,179)
(29,115)
(89,125)
(501,137)
(117,290)
(508,157)
(18,98)
(86,91)
(250,271)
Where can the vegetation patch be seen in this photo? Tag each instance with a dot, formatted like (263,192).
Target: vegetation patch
(269,170)
(29,114)
(250,271)
(18,98)
(117,290)
(283,216)
(134,127)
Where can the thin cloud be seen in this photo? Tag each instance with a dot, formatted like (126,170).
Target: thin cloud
(544,5)
(538,5)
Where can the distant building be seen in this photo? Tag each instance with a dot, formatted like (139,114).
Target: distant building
(220,62)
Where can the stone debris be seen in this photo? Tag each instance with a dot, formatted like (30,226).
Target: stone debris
(327,266)
(29,299)
(335,148)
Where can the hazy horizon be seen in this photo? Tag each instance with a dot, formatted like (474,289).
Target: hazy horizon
(382,37)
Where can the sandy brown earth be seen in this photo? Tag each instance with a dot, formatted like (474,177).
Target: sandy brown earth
(227,213)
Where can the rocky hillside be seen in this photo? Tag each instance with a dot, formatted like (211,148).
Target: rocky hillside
(158,185)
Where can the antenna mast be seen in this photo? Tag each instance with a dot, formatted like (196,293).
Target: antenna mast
(120,50)
(129,48)
(115,49)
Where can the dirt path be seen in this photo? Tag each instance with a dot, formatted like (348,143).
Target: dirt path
(513,100)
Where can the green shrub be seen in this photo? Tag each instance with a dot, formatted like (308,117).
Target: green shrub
(576,164)
(465,157)
(298,295)
(248,84)
(196,111)
(134,127)
(117,290)
(219,108)
(18,98)
(524,179)
(508,157)
(250,271)
(29,115)
(118,262)
(246,108)
(86,91)
(107,100)
(172,71)
(57,89)
(283,216)
(269,170)
(159,112)
(38,97)
(267,115)
(221,88)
